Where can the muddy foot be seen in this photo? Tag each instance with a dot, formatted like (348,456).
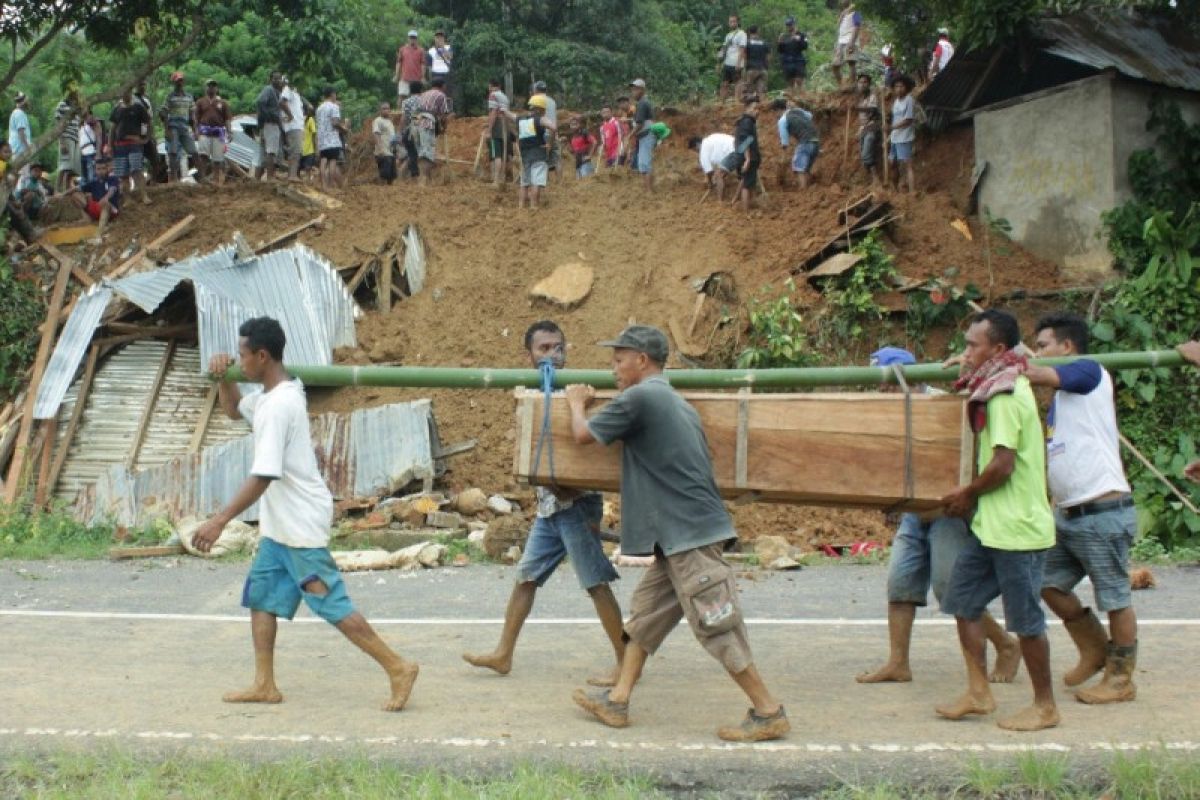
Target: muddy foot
(402,680)
(888,673)
(1008,661)
(1034,718)
(966,705)
(491,661)
(606,680)
(253,695)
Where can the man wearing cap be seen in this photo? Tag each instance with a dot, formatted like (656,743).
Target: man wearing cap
(670,509)
(212,125)
(644,141)
(793,57)
(440,58)
(534,135)
(291,111)
(923,553)
(19,136)
(270,123)
(179,112)
(410,65)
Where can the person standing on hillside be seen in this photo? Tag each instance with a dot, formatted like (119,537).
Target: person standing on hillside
(845,51)
(179,115)
(383,131)
(69,166)
(431,121)
(757,52)
(270,123)
(409,109)
(295,512)
(732,58)
(440,59)
(308,150)
(1011,520)
(797,123)
(643,118)
(745,144)
(212,123)
(149,139)
(583,148)
(624,115)
(499,141)
(291,112)
(717,159)
(611,137)
(1095,518)
(869,128)
(923,554)
(943,51)
(533,139)
(566,527)
(19,133)
(904,131)
(793,56)
(410,66)
(671,510)
(129,118)
(550,118)
(91,144)
(330,128)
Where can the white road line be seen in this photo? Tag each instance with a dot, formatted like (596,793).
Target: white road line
(598,744)
(833,622)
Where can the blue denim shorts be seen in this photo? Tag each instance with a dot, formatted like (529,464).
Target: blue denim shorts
(923,553)
(981,574)
(901,151)
(570,532)
(279,574)
(645,154)
(804,156)
(1095,545)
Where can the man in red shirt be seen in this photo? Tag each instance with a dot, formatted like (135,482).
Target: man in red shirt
(410,65)
(611,137)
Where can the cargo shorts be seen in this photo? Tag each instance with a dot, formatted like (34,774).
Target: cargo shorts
(697,585)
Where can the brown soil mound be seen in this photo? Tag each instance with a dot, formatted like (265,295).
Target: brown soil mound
(646,251)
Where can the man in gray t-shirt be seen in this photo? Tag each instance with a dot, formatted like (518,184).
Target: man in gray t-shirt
(670,508)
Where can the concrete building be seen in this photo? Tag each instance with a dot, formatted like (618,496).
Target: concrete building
(1056,120)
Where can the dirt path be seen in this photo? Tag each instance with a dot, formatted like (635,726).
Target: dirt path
(138,655)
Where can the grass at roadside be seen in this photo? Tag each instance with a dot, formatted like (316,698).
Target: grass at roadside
(36,534)
(117,773)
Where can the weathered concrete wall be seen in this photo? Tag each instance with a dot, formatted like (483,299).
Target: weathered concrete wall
(1051,171)
(1057,162)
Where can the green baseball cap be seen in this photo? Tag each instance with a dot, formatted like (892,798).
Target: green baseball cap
(643,338)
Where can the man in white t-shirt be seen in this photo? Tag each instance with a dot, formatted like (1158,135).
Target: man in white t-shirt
(295,512)
(716,159)
(733,58)
(330,142)
(845,50)
(440,58)
(1094,515)
(291,111)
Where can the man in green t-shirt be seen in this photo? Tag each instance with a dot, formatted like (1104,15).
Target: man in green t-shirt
(1012,522)
(670,508)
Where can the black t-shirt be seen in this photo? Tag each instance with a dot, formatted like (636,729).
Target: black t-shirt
(642,114)
(745,137)
(128,120)
(756,54)
(792,47)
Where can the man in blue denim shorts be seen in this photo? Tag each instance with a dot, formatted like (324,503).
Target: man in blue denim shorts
(1011,520)
(1095,518)
(567,525)
(643,140)
(295,511)
(923,554)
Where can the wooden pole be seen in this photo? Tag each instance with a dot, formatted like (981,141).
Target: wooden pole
(479,152)
(883,125)
(85,388)
(49,332)
(210,401)
(139,437)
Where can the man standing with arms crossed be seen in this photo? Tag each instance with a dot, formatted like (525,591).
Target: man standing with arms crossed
(1011,520)
(567,524)
(1095,520)
(670,509)
(295,513)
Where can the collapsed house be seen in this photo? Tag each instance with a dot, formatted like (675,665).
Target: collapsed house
(131,419)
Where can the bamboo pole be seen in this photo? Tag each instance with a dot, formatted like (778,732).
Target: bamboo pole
(483,378)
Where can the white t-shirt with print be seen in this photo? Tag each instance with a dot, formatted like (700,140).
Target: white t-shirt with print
(437,63)
(713,150)
(297,508)
(327,136)
(735,43)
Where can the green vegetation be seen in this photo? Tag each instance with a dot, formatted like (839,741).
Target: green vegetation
(27,533)
(944,306)
(777,335)
(850,306)
(111,774)
(20,313)
(1155,238)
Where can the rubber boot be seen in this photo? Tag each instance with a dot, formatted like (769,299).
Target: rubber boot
(1117,684)
(1088,635)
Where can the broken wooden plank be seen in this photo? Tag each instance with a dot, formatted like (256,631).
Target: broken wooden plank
(85,388)
(286,236)
(855,208)
(363,270)
(76,270)
(147,332)
(835,265)
(164,239)
(69,234)
(154,551)
(210,402)
(456,449)
(309,197)
(683,344)
(384,286)
(45,346)
(139,436)
(50,431)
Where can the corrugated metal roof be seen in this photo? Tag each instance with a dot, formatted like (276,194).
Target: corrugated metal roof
(414,259)
(295,285)
(1148,47)
(370,451)
(68,353)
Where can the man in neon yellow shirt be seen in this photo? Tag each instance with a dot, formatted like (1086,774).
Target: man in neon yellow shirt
(1012,522)
(308,147)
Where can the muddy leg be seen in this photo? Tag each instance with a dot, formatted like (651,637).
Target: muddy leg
(262,628)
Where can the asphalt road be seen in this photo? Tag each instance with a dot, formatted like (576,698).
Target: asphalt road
(138,653)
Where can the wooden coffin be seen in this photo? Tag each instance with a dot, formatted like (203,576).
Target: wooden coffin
(815,449)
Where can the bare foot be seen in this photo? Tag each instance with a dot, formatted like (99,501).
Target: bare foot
(1034,718)
(1008,661)
(609,679)
(402,678)
(966,705)
(888,673)
(491,661)
(254,694)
